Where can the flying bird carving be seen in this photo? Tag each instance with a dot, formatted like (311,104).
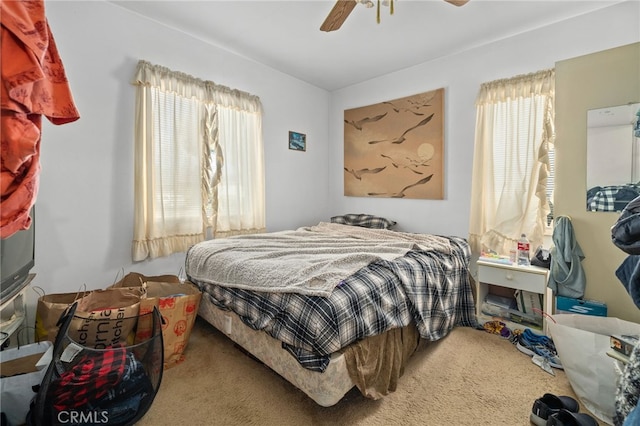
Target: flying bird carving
(398,109)
(414,171)
(359,123)
(391,159)
(420,182)
(416,163)
(404,166)
(401,193)
(423,101)
(402,138)
(358,173)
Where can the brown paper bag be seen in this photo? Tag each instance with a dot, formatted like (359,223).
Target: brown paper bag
(135,279)
(49,308)
(178,304)
(92,325)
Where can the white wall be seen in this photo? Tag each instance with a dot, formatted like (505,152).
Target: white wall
(85,204)
(461,75)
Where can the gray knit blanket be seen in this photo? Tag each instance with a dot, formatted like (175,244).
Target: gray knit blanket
(309,260)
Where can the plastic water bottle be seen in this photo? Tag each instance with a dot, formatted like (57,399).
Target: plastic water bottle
(513,254)
(523,251)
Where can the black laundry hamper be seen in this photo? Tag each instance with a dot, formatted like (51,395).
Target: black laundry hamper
(112,384)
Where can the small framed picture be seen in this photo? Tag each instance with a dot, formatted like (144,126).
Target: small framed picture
(297,141)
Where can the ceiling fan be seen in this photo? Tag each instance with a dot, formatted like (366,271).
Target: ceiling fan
(343,8)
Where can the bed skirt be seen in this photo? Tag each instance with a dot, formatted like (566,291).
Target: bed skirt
(326,388)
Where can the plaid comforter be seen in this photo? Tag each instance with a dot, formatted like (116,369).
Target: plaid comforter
(430,288)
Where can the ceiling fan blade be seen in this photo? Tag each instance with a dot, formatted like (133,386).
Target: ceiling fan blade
(457,2)
(338,15)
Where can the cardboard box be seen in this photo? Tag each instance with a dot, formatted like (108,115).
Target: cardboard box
(22,371)
(567,305)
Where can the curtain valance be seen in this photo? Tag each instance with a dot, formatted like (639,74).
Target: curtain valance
(541,83)
(187,86)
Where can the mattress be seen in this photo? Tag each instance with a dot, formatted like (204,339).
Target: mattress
(326,388)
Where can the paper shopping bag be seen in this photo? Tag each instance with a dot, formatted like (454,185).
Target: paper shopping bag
(135,279)
(49,309)
(93,323)
(178,304)
(582,342)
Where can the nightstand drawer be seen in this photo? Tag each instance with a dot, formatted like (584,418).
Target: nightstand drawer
(513,278)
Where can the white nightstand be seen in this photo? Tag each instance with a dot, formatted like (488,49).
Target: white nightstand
(512,277)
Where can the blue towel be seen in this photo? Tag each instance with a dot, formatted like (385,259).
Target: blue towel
(566,277)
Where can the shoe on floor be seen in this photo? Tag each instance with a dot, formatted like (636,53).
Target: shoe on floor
(538,338)
(531,349)
(550,404)
(567,418)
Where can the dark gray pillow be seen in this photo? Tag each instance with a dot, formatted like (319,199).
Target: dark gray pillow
(364,220)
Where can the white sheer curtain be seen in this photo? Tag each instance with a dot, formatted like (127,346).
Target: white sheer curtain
(514,131)
(240,193)
(198,162)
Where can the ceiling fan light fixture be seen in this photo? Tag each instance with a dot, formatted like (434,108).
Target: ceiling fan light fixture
(369,4)
(366,3)
(457,2)
(343,8)
(390,3)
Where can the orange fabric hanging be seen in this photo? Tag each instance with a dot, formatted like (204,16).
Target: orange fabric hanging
(34,84)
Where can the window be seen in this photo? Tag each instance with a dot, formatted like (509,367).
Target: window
(177,164)
(550,186)
(198,162)
(512,184)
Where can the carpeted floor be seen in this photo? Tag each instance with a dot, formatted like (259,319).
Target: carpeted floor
(471,377)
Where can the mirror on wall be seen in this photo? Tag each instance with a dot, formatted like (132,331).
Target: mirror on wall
(613,157)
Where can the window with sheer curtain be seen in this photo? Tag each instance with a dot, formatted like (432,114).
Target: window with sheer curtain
(199,166)
(512,178)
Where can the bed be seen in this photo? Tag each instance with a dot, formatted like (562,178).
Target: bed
(333,306)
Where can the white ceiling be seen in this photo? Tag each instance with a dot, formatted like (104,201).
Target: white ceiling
(286,36)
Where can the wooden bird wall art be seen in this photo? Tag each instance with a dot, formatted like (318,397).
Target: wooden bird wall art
(395,149)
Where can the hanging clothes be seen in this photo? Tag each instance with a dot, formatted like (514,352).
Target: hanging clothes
(629,275)
(34,84)
(566,277)
(625,234)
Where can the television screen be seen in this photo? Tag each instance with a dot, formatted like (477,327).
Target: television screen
(17,256)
